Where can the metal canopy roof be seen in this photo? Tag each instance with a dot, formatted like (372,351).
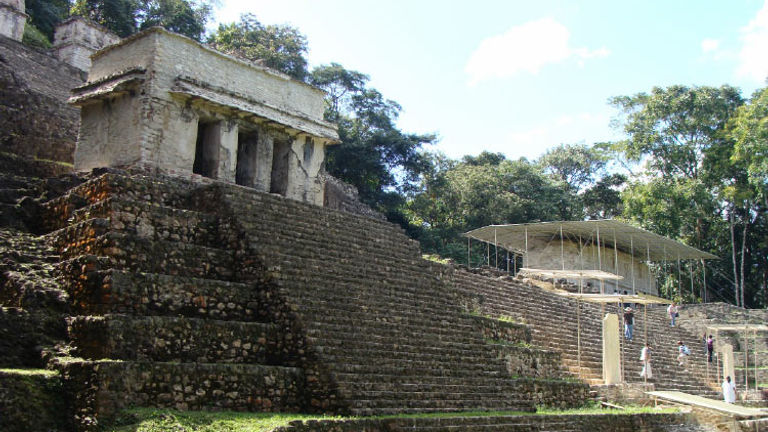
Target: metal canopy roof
(628,239)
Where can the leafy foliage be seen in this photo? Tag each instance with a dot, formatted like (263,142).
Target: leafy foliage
(125,17)
(278,47)
(45,14)
(375,156)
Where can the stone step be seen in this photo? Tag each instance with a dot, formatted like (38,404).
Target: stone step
(398,336)
(165,191)
(418,369)
(343,344)
(180,339)
(95,291)
(175,258)
(356,356)
(150,221)
(333,319)
(103,388)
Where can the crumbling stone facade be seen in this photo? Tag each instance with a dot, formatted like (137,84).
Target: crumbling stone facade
(77,38)
(12,19)
(161,100)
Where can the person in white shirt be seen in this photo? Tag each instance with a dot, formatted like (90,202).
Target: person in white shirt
(673,311)
(682,353)
(645,357)
(729,390)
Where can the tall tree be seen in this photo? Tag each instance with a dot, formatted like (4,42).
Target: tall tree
(692,184)
(278,47)
(125,17)
(381,160)
(480,190)
(575,165)
(46,14)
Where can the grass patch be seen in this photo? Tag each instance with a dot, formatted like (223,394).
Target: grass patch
(157,420)
(30,372)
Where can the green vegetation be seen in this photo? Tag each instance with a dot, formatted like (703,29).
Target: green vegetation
(35,38)
(155,420)
(30,372)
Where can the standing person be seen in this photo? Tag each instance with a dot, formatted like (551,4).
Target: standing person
(682,353)
(645,357)
(629,322)
(729,390)
(673,312)
(710,348)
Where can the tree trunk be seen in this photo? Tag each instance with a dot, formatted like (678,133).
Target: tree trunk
(747,222)
(733,257)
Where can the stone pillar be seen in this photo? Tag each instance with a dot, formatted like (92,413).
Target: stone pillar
(264,150)
(726,356)
(297,174)
(228,151)
(76,38)
(12,19)
(611,366)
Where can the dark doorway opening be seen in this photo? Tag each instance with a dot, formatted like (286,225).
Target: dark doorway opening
(245,173)
(207,149)
(279,183)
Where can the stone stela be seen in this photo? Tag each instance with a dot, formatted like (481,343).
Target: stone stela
(162,101)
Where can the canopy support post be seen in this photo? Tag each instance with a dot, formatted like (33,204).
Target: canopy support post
(488,254)
(746,357)
(679,277)
(525,257)
(645,336)
(632,261)
(578,328)
(648,259)
(469,248)
(615,260)
(704,274)
(496,248)
(562,250)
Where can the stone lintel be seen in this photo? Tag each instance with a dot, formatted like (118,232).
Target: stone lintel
(187,87)
(112,85)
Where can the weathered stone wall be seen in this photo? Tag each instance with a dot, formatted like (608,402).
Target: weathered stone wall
(345,197)
(504,331)
(76,38)
(12,19)
(102,388)
(34,116)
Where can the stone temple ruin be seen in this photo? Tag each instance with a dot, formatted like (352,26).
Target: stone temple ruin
(189,259)
(161,100)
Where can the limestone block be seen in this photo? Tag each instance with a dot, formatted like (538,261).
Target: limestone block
(12,20)
(611,363)
(76,38)
(726,356)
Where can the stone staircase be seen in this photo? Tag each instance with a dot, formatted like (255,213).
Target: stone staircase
(192,295)
(553,320)
(164,311)
(390,330)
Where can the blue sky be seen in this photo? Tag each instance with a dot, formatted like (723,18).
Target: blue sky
(519,77)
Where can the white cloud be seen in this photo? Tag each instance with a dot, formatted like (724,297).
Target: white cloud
(566,129)
(753,61)
(525,48)
(710,45)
